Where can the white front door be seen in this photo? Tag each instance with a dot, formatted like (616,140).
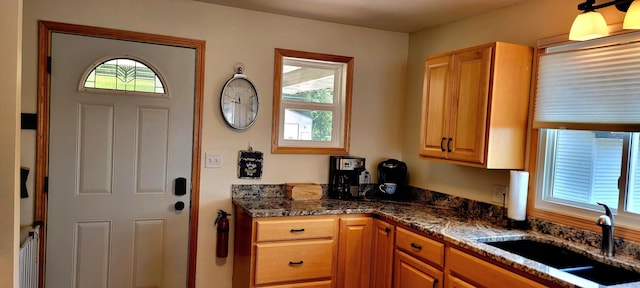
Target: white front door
(113,161)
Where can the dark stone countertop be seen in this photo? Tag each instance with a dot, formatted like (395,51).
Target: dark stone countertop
(447,225)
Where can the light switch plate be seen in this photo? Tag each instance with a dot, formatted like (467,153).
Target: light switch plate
(212,160)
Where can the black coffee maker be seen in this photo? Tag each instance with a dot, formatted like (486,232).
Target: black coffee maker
(394,171)
(344,176)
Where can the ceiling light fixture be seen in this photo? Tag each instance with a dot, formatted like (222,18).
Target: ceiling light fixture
(591,24)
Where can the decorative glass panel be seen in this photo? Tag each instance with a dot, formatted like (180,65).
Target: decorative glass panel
(124,75)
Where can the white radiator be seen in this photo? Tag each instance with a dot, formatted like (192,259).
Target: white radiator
(29,259)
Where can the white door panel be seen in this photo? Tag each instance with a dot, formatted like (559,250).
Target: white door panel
(113,159)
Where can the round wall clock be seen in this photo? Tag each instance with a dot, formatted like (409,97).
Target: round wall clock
(239,101)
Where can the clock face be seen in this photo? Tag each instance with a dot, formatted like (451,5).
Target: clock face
(239,102)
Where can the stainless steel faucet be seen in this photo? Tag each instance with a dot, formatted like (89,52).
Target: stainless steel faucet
(606,222)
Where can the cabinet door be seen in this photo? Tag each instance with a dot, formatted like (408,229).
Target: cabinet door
(318,284)
(411,272)
(482,273)
(470,98)
(354,252)
(455,282)
(382,254)
(435,107)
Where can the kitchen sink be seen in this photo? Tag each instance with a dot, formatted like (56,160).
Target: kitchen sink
(568,261)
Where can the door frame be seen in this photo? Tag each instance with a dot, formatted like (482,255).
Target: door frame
(45,28)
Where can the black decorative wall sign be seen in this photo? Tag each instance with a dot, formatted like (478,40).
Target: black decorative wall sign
(249,164)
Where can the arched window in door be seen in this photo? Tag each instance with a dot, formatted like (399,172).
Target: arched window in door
(123,74)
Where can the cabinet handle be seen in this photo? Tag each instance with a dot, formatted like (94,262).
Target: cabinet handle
(435,283)
(297,230)
(449,144)
(296,263)
(387,230)
(442,143)
(416,246)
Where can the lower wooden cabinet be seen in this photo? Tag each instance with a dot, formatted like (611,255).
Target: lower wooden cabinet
(455,282)
(382,249)
(279,252)
(464,270)
(318,284)
(410,272)
(354,255)
(353,251)
(328,251)
(418,261)
(293,261)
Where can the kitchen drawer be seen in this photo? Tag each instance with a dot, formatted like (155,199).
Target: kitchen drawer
(475,272)
(310,228)
(293,261)
(315,284)
(420,247)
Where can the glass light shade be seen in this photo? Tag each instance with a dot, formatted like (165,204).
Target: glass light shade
(632,19)
(587,26)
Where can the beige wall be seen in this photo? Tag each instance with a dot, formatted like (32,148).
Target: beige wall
(522,23)
(232,36)
(10,75)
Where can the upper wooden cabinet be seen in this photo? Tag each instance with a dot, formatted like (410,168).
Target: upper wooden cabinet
(475,104)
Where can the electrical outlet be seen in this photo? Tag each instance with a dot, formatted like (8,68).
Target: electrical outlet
(499,193)
(212,160)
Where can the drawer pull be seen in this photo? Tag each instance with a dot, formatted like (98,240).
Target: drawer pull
(296,263)
(297,230)
(416,246)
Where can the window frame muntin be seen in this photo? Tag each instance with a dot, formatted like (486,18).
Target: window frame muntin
(306,146)
(107,58)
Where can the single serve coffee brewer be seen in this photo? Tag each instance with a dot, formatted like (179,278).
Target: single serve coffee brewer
(344,176)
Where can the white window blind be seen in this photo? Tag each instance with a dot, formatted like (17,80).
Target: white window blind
(586,167)
(599,83)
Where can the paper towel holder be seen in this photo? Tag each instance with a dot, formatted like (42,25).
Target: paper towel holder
(518,190)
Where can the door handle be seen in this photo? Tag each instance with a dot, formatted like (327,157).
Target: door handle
(449,144)
(180,186)
(442,143)
(435,283)
(387,230)
(179,206)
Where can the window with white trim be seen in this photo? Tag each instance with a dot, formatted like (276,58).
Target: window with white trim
(587,110)
(312,96)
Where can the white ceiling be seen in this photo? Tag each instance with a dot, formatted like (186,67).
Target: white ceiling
(392,15)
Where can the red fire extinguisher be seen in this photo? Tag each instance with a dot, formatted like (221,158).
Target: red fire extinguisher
(222,239)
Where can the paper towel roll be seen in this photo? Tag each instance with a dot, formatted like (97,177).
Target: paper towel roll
(518,186)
